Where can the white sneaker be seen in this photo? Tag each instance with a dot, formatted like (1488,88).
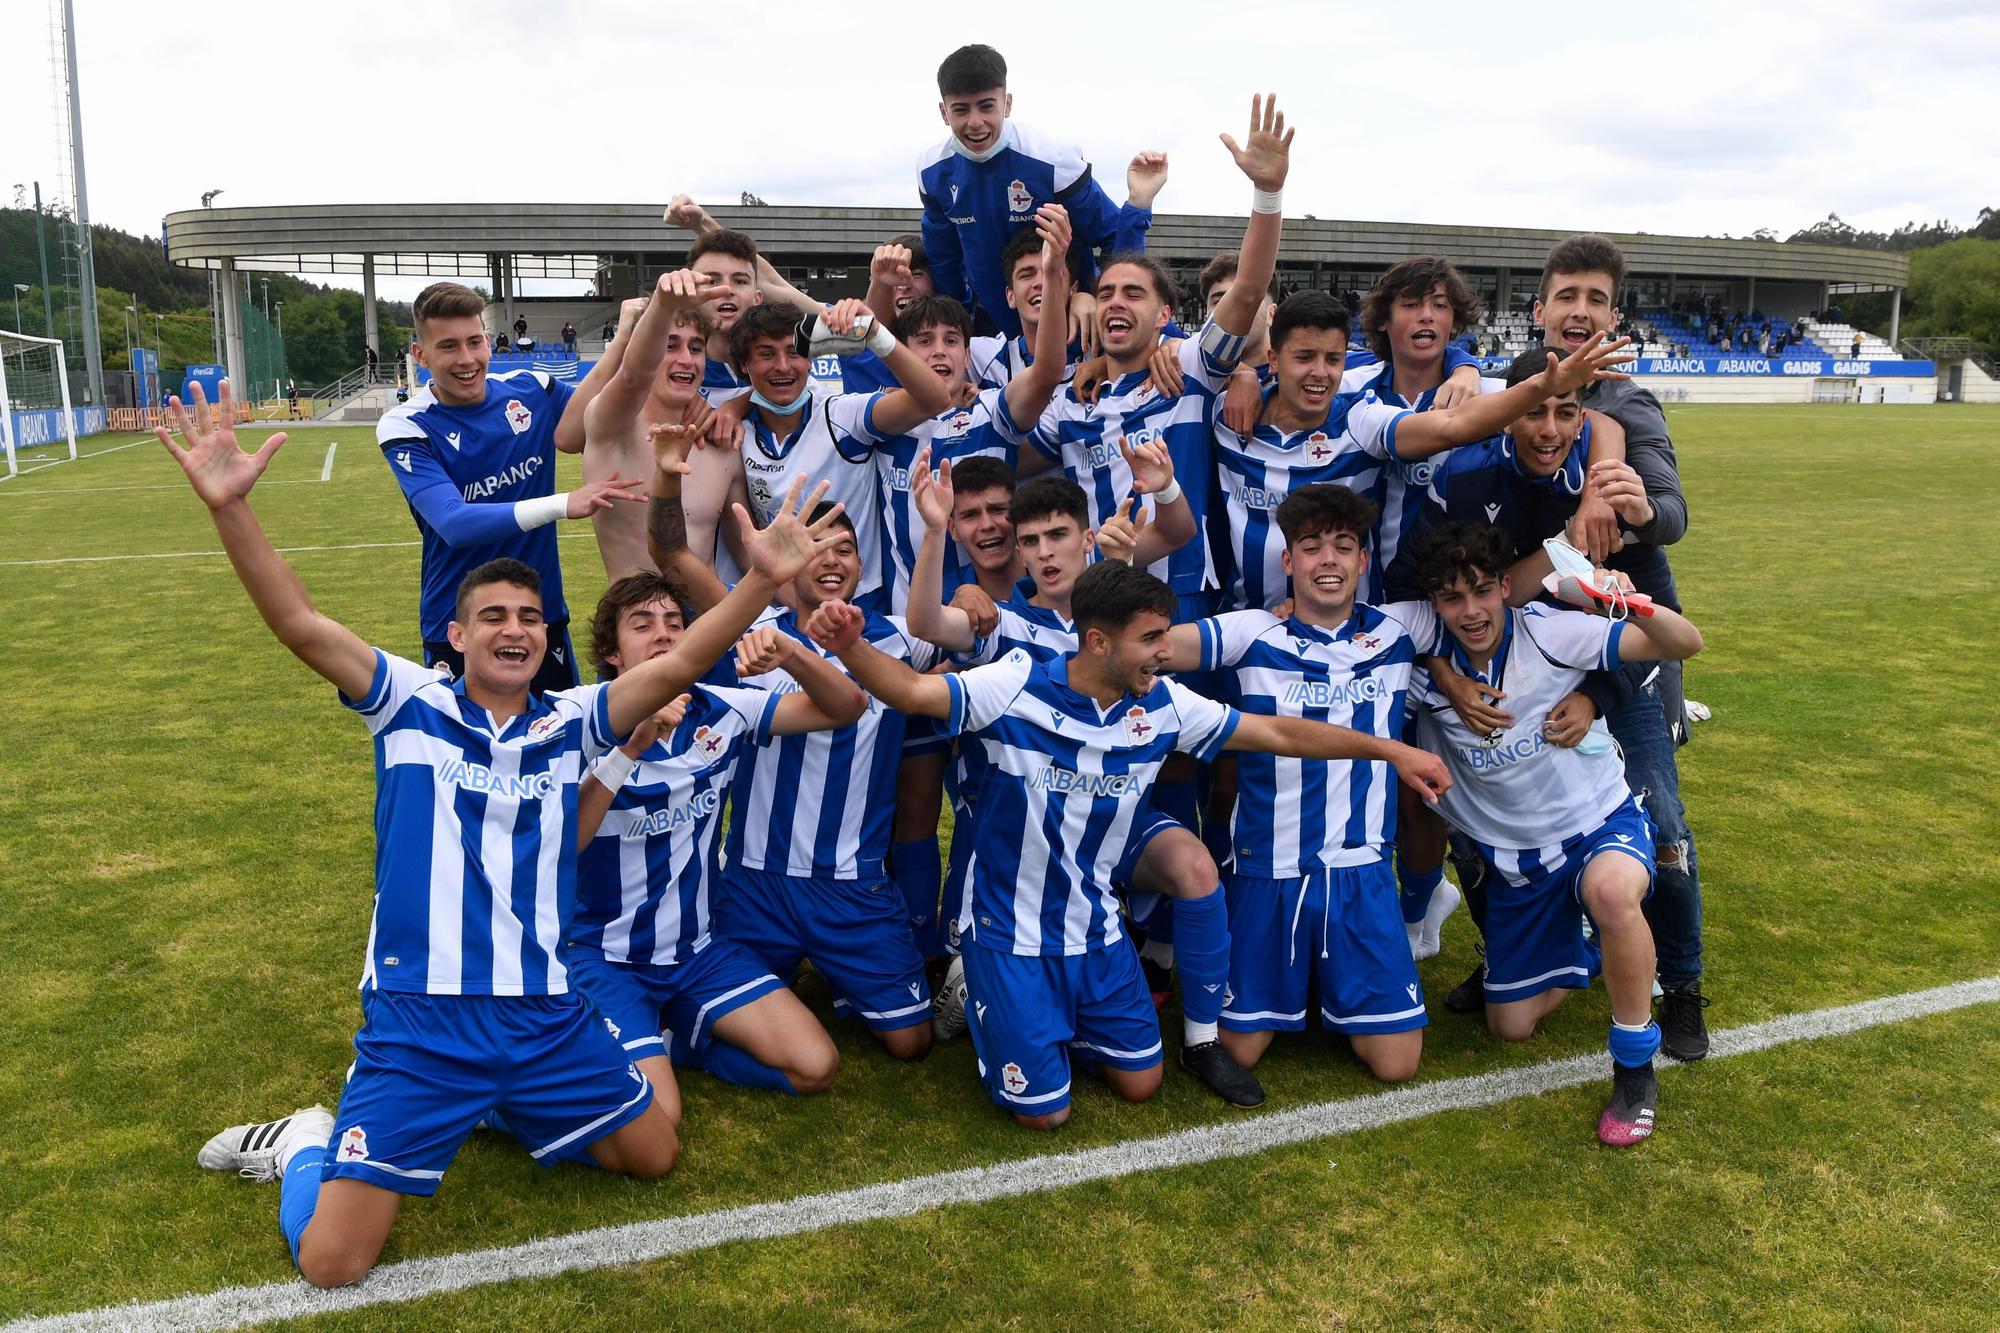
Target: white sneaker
(948,1008)
(1697,711)
(1443,903)
(260,1151)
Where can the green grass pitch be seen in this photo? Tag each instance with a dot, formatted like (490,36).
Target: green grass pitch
(185,860)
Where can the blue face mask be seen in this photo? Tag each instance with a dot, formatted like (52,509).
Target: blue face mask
(803,403)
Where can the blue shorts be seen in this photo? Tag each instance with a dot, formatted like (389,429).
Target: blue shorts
(921,736)
(856,931)
(428,1068)
(1027,1014)
(639,999)
(1534,906)
(1341,928)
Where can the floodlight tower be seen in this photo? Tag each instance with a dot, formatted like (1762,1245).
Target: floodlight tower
(93,355)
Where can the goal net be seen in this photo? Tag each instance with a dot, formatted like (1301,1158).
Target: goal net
(37,426)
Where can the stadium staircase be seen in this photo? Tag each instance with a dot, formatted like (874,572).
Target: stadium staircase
(1838,340)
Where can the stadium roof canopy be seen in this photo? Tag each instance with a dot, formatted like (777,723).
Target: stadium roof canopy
(571,241)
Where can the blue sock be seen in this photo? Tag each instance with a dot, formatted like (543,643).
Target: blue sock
(1633,1047)
(1415,887)
(919,873)
(733,1064)
(1201,954)
(299,1195)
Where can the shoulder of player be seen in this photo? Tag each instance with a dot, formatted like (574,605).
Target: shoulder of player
(938,155)
(1065,156)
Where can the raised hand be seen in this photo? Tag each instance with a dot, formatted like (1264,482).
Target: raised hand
(685,289)
(1081,312)
(1152,466)
(1053,226)
(763,649)
(841,319)
(218,469)
(835,626)
(930,491)
(1585,365)
(685,212)
(1118,536)
(787,544)
(1145,174)
(890,266)
(659,724)
(670,445)
(1265,154)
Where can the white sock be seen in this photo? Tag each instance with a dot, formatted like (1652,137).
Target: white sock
(1195,1034)
(297,1142)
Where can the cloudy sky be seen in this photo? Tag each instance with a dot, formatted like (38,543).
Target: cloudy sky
(1693,118)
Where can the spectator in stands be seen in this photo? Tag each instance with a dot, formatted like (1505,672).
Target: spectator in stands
(1857,345)
(373,360)
(1764,342)
(292,398)
(500,343)
(520,329)
(569,337)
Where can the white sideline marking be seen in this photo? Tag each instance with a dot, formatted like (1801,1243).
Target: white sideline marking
(326,471)
(224,555)
(640,1242)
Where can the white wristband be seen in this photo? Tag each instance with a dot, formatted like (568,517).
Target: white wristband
(535,513)
(880,341)
(612,770)
(1266,201)
(1169,495)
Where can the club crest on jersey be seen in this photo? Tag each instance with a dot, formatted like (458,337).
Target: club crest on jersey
(544,727)
(709,741)
(958,425)
(1317,448)
(518,416)
(1020,203)
(354,1145)
(1137,729)
(1367,643)
(1012,1079)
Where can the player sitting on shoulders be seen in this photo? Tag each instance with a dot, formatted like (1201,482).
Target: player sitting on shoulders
(1557,827)
(468,1011)
(1069,749)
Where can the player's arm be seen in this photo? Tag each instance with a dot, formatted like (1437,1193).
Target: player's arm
(1594,527)
(222,476)
(929,618)
(836,627)
(666,521)
(1664,636)
(1265,157)
(1029,392)
(944,251)
(573,429)
(923,394)
(1145,177)
(827,700)
(777,553)
(1302,738)
(624,393)
(1414,435)
(600,785)
(1650,453)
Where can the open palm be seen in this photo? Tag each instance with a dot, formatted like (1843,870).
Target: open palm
(1265,155)
(216,466)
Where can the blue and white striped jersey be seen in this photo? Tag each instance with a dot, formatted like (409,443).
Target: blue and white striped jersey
(1084,439)
(1521,791)
(720,382)
(1295,816)
(1062,792)
(491,457)
(956,434)
(1259,470)
(1044,634)
(997,360)
(643,883)
(834,441)
(475,833)
(820,805)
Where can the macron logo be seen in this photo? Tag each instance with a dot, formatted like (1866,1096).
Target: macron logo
(1492,513)
(451,438)
(403,460)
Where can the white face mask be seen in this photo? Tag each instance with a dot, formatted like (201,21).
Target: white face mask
(1000,141)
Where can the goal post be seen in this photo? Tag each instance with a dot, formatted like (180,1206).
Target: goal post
(35,408)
